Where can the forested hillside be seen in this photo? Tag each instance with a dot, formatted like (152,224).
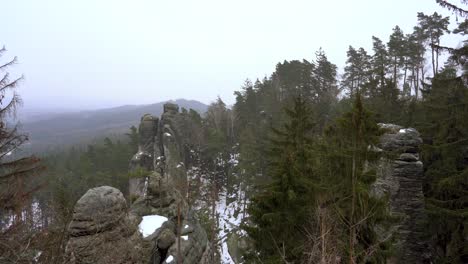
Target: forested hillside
(291,173)
(60,131)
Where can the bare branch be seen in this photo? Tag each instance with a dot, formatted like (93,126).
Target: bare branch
(9,63)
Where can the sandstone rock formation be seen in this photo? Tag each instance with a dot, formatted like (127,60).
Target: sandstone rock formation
(143,159)
(105,230)
(163,191)
(400,176)
(102,231)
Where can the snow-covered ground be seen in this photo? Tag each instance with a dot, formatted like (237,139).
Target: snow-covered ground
(230,217)
(35,211)
(229,207)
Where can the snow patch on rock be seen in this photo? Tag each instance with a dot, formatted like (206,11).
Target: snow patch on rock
(169,259)
(151,223)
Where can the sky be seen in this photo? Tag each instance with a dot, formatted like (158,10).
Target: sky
(92,54)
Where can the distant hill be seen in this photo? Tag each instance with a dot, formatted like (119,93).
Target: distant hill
(60,130)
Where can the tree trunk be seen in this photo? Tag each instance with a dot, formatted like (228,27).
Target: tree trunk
(382,77)
(433,60)
(415,80)
(395,72)
(437,60)
(423,73)
(404,76)
(352,230)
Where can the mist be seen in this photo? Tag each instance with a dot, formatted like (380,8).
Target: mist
(96,54)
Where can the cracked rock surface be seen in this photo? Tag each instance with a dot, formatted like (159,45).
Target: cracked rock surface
(400,177)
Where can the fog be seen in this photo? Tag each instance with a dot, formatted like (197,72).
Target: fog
(95,54)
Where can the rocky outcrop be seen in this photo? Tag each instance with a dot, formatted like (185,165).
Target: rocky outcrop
(144,158)
(163,191)
(400,178)
(102,230)
(105,230)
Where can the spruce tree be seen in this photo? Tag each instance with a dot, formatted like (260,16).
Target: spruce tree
(445,155)
(280,209)
(350,149)
(18,174)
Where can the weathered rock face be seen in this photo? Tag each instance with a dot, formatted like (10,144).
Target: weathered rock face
(164,190)
(400,176)
(143,159)
(194,246)
(102,231)
(171,144)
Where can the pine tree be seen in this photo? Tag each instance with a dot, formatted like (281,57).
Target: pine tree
(279,210)
(380,61)
(434,27)
(416,52)
(357,70)
(396,49)
(459,11)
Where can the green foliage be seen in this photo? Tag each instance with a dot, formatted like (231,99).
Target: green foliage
(139,173)
(445,153)
(348,156)
(357,70)
(433,28)
(72,172)
(279,211)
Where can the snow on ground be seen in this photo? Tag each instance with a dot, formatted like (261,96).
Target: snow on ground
(230,218)
(228,209)
(34,211)
(150,223)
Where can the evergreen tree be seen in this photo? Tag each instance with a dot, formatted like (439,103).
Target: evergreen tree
(380,61)
(416,52)
(327,89)
(445,154)
(396,49)
(434,27)
(18,175)
(349,153)
(454,8)
(279,210)
(357,70)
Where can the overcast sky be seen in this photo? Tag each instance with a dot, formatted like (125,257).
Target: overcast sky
(103,53)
